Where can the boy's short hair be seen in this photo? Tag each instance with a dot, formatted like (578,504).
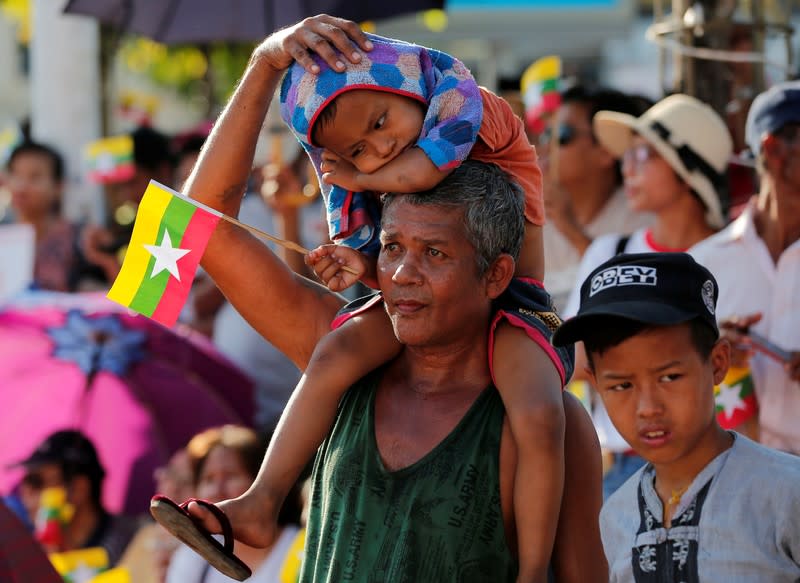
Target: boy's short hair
(611,331)
(649,289)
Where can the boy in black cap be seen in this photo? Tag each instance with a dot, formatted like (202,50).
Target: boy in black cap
(710,504)
(68,459)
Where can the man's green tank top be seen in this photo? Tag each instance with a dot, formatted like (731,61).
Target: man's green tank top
(436,521)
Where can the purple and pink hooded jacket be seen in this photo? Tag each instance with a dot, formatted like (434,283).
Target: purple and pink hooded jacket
(454,112)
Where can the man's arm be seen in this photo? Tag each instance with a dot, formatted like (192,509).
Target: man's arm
(290,311)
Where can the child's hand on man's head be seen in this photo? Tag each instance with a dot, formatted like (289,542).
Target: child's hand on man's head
(339,172)
(328,262)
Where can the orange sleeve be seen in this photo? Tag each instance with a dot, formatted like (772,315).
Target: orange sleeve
(502,141)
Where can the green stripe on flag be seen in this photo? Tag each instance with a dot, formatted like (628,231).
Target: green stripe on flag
(549,86)
(176,218)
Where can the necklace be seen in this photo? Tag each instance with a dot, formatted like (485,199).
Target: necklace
(673,501)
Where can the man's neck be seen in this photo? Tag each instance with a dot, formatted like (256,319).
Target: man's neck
(777,217)
(437,370)
(590,195)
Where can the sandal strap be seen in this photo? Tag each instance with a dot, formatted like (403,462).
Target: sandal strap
(227,529)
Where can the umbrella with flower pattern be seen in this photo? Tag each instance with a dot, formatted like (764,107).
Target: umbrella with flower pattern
(138,390)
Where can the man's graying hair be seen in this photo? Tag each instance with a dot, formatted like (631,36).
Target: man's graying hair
(494,208)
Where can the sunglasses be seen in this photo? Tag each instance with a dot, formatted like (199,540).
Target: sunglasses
(566,134)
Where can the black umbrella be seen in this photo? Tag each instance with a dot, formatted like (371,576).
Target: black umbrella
(203,21)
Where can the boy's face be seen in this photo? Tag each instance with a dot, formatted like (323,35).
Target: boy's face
(659,392)
(371,128)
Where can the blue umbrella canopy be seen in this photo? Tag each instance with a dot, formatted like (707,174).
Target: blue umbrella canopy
(203,21)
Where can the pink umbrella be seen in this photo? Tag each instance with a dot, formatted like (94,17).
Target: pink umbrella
(139,390)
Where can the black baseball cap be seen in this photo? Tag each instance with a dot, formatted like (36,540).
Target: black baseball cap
(661,289)
(71,450)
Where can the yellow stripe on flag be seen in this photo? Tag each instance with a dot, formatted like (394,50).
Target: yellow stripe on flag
(116,146)
(145,230)
(541,70)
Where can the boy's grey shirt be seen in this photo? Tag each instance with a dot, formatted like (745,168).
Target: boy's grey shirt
(747,530)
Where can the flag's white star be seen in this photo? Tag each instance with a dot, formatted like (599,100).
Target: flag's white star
(166,256)
(729,399)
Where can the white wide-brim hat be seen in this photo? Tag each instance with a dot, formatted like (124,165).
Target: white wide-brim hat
(689,135)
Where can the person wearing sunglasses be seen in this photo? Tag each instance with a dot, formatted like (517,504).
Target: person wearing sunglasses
(674,162)
(583,195)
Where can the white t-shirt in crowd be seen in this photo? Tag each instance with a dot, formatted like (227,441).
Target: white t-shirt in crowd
(562,259)
(275,376)
(749,282)
(186,566)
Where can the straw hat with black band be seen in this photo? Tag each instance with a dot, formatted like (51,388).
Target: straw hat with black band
(689,135)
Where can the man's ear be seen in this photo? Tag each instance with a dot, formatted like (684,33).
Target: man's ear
(771,148)
(499,275)
(720,359)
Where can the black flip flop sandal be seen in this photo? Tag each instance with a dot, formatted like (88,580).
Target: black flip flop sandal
(185,528)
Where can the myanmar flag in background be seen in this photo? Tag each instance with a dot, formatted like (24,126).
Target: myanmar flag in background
(735,398)
(169,237)
(540,91)
(110,159)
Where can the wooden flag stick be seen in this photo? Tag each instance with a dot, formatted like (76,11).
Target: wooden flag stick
(282,242)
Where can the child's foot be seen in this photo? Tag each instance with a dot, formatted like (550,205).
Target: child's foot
(251,525)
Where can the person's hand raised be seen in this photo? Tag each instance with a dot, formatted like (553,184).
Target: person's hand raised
(327,36)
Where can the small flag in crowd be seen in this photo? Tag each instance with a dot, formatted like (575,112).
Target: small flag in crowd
(290,571)
(735,398)
(540,91)
(110,159)
(10,138)
(169,237)
(80,566)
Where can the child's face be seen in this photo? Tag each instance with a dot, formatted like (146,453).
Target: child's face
(34,188)
(659,392)
(371,128)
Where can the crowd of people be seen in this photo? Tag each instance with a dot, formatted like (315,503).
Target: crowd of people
(437,412)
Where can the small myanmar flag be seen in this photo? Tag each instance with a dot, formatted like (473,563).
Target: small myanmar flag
(169,237)
(735,398)
(110,159)
(540,91)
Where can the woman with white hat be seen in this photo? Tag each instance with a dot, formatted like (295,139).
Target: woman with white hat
(675,156)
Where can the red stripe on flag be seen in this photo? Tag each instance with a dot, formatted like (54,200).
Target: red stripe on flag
(196,237)
(739,416)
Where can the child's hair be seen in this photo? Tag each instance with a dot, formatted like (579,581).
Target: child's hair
(492,203)
(35,148)
(325,117)
(610,331)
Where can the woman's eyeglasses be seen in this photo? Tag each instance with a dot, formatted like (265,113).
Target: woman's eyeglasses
(566,134)
(638,155)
